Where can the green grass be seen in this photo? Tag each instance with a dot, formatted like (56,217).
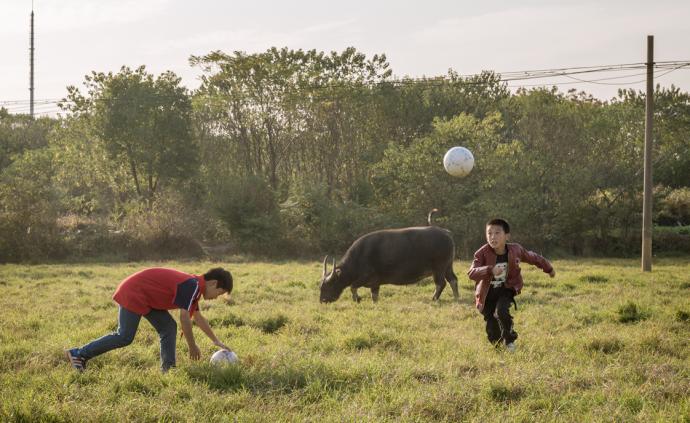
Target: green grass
(600,342)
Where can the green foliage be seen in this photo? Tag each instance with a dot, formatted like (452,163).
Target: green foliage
(315,222)
(594,279)
(19,133)
(89,184)
(672,163)
(273,324)
(28,228)
(410,181)
(284,110)
(165,229)
(229,320)
(297,153)
(503,393)
(144,122)
(606,346)
(248,208)
(630,313)
(675,208)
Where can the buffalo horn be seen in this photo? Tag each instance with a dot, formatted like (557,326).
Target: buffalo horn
(325,260)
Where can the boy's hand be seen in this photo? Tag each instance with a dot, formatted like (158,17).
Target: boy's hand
(194,352)
(553,273)
(221,345)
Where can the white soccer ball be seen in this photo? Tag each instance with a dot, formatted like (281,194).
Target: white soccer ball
(222,357)
(458,161)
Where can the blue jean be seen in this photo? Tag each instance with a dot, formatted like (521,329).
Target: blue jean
(128,323)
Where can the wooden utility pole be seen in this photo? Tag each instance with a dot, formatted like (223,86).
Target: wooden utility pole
(31,70)
(647,201)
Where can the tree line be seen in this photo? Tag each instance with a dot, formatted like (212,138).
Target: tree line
(292,153)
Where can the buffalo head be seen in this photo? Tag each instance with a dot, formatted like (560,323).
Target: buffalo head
(331,286)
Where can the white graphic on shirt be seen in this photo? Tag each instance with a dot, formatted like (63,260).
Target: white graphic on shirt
(501,278)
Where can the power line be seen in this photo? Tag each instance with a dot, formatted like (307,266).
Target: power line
(19,106)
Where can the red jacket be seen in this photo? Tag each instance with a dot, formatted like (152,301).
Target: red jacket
(485,260)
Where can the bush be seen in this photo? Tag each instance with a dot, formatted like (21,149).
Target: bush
(169,228)
(671,239)
(248,208)
(317,222)
(675,208)
(91,237)
(606,346)
(630,313)
(28,229)
(273,324)
(682,316)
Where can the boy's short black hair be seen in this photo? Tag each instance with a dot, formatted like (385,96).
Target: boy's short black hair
(221,275)
(499,222)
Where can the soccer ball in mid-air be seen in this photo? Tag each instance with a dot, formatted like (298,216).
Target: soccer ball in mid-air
(458,161)
(221,357)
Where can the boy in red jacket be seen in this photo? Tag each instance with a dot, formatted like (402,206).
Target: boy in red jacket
(496,273)
(150,293)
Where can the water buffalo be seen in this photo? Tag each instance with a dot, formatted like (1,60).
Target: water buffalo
(393,256)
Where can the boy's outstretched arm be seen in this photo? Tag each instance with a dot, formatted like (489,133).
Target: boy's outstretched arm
(206,328)
(186,323)
(536,260)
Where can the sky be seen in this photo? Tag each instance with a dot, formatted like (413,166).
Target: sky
(419,38)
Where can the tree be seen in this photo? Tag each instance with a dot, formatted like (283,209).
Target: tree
(143,121)
(284,111)
(19,133)
(410,181)
(28,209)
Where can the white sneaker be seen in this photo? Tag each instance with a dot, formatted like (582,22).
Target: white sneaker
(510,347)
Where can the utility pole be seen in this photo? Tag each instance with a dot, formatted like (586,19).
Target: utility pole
(31,63)
(647,201)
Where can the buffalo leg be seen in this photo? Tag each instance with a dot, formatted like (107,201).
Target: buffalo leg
(440,282)
(375,293)
(453,281)
(355,297)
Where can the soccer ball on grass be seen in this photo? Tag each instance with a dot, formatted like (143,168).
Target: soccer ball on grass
(222,357)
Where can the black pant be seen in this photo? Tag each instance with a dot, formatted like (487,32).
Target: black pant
(497,304)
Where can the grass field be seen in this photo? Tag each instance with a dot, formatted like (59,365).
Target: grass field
(600,342)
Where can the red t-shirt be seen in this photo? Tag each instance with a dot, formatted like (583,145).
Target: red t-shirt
(160,289)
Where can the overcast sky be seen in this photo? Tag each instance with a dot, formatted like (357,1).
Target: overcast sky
(419,38)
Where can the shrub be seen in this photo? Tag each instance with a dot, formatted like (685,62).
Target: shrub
(606,346)
(229,320)
(503,393)
(316,221)
(630,313)
(168,228)
(28,228)
(273,324)
(683,316)
(248,208)
(671,241)
(594,278)
(674,208)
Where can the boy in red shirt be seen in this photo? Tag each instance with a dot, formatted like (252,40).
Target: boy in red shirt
(150,293)
(496,273)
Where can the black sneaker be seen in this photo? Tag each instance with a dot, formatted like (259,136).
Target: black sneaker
(77,362)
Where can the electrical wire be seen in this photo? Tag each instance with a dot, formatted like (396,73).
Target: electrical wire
(23,106)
